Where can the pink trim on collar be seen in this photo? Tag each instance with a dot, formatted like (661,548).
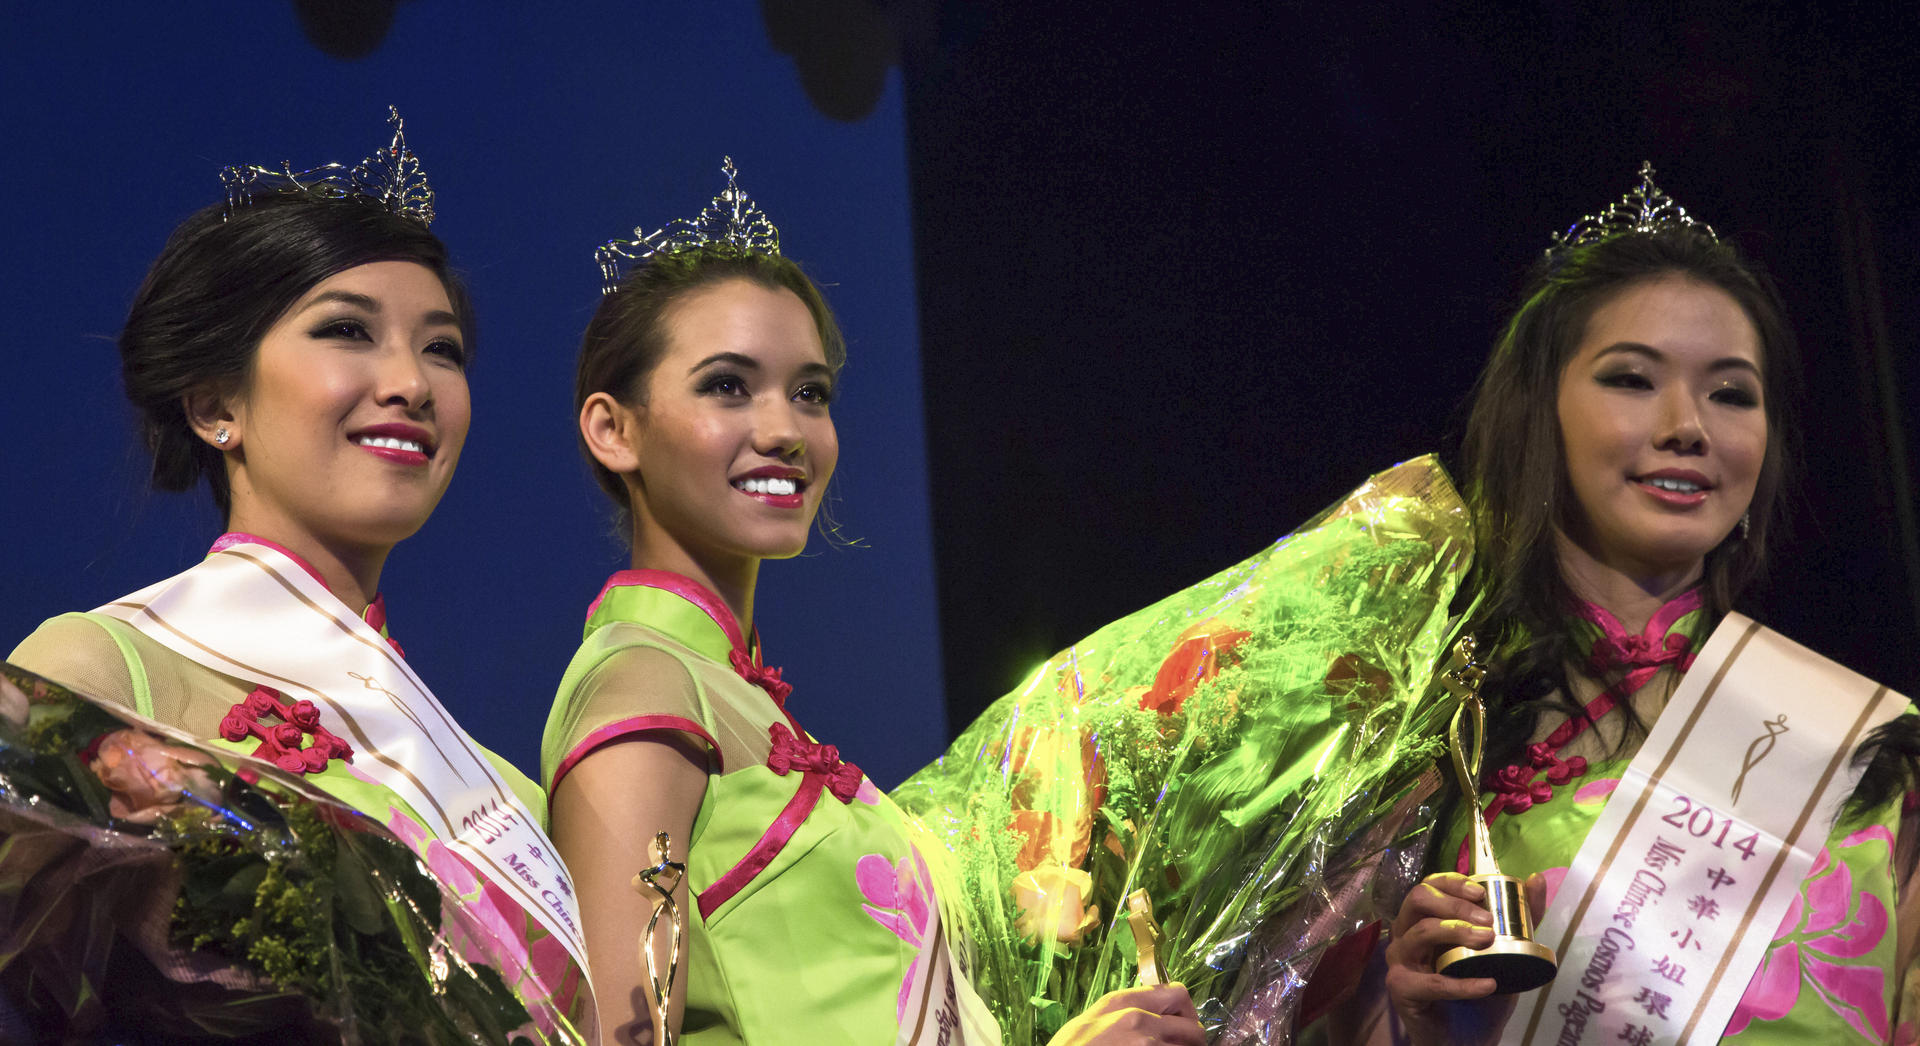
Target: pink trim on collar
(710,604)
(376,615)
(1659,624)
(680,585)
(235,537)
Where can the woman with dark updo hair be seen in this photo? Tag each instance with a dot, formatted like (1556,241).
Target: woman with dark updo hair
(302,349)
(218,288)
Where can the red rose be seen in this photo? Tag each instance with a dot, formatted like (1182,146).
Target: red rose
(286,735)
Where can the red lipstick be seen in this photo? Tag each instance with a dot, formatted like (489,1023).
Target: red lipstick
(389,432)
(755,483)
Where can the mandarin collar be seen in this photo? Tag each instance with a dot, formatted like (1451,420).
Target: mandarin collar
(676,606)
(1679,624)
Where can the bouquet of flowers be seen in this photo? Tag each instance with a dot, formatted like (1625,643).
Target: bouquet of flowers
(1252,753)
(153,889)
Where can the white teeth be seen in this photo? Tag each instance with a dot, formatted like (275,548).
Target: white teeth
(1678,485)
(390,443)
(778,488)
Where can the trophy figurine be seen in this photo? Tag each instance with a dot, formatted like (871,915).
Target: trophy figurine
(661,878)
(1146,938)
(1514,960)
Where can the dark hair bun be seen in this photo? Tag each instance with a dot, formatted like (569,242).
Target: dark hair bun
(219,285)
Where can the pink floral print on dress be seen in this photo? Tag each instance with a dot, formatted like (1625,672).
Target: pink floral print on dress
(486,927)
(1828,924)
(899,897)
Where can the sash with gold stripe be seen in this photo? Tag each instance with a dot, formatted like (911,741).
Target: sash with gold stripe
(253,612)
(1672,900)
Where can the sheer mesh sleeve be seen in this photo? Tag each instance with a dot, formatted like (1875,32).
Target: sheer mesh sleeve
(78,652)
(106,659)
(630,692)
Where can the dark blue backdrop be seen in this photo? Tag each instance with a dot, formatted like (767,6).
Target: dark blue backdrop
(543,135)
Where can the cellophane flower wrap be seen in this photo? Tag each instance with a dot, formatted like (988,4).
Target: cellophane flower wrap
(153,889)
(1252,752)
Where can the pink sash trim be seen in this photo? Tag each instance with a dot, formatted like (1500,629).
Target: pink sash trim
(769,846)
(632,726)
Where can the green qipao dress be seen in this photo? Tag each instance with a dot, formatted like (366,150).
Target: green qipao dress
(814,910)
(295,719)
(1831,974)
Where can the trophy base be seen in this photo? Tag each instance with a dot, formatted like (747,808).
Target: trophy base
(1515,961)
(1515,965)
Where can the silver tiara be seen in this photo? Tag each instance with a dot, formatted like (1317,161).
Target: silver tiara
(390,178)
(1643,209)
(730,220)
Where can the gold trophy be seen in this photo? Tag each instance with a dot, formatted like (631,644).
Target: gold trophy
(1515,961)
(662,878)
(1146,938)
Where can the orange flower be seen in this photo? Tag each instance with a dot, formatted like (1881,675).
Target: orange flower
(1052,903)
(1048,840)
(1357,682)
(1196,658)
(1059,783)
(1351,672)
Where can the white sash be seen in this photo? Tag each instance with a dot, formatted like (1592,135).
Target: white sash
(942,1008)
(251,611)
(1673,898)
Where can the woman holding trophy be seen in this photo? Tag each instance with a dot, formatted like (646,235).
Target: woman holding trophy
(1674,780)
(805,906)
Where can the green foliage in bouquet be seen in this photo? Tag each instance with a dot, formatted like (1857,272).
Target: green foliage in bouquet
(1231,750)
(269,899)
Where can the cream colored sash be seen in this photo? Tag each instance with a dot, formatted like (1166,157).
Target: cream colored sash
(939,1006)
(251,611)
(1672,900)
(942,1009)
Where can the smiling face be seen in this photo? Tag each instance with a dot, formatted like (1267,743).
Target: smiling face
(733,444)
(354,413)
(1663,426)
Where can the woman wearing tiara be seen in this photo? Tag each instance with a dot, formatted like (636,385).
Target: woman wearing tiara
(1626,454)
(808,900)
(302,350)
